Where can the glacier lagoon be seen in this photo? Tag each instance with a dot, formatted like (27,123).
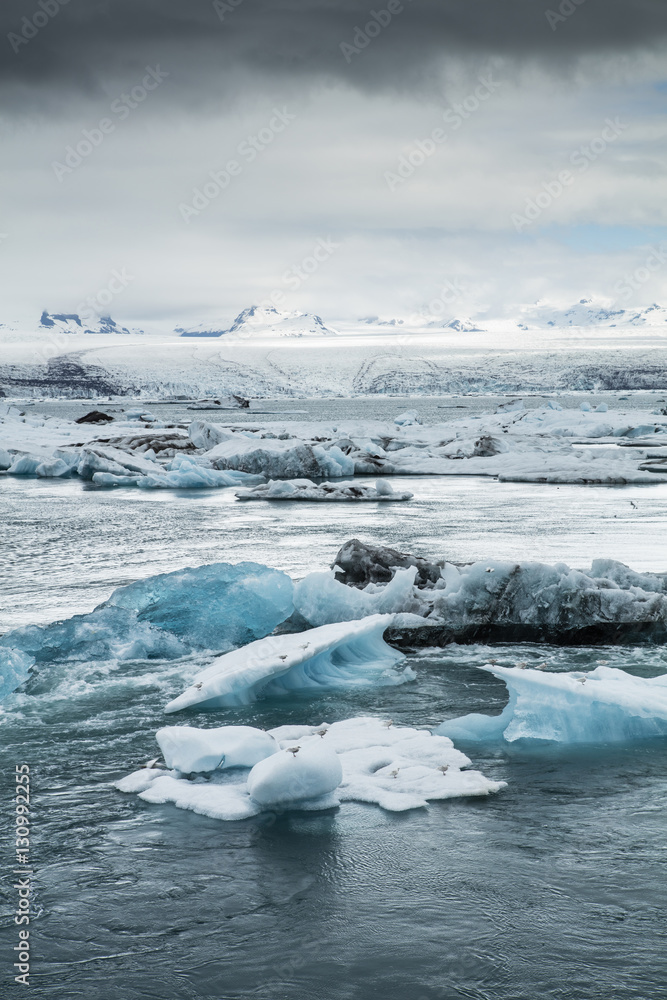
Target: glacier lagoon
(552,887)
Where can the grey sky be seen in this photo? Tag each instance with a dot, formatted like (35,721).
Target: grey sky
(338,138)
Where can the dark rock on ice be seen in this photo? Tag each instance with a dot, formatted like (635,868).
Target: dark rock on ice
(94,417)
(359,564)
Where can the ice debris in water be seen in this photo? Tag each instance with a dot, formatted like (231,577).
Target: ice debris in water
(219,606)
(602,706)
(305,489)
(334,656)
(364,759)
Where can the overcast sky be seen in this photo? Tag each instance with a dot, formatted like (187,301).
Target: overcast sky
(544,177)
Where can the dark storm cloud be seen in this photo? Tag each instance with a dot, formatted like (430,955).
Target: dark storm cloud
(84,43)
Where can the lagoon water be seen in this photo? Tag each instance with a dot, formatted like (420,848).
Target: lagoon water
(554,888)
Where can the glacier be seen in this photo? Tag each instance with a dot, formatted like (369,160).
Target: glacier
(344,655)
(604,705)
(364,759)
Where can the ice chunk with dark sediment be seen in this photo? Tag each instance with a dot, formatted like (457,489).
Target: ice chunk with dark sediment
(96,458)
(603,706)
(275,457)
(490,598)
(305,489)
(359,563)
(344,655)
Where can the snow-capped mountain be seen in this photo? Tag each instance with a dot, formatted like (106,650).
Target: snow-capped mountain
(264,321)
(461,325)
(377,321)
(72,323)
(588,312)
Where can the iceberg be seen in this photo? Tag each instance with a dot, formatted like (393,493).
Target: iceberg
(187,749)
(96,458)
(289,458)
(321,599)
(305,489)
(168,616)
(187,474)
(364,759)
(14,670)
(303,774)
(334,656)
(104,634)
(604,705)
(488,599)
(218,606)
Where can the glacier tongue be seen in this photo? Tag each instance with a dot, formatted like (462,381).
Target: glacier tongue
(603,706)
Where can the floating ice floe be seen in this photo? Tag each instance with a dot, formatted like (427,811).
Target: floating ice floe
(343,655)
(603,706)
(305,489)
(364,759)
